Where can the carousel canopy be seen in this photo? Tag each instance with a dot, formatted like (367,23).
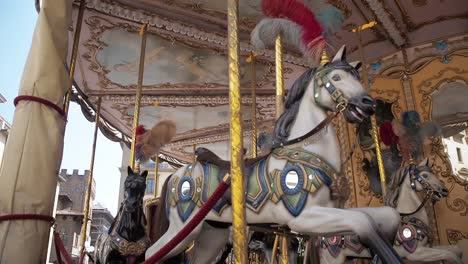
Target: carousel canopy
(186,65)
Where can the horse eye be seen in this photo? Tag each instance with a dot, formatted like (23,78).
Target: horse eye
(336,78)
(424,175)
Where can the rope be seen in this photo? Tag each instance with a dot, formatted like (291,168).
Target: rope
(184,232)
(61,251)
(46,218)
(39,100)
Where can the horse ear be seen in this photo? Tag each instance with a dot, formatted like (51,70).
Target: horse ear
(340,55)
(144,174)
(356,64)
(129,170)
(424,162)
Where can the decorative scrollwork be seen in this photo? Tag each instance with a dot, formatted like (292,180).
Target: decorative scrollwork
(454,236)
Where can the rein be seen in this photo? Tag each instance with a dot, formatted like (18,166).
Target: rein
(429,191)
(315,130)
(426,198)
(321,81)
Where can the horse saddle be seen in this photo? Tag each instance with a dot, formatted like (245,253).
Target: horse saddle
(205,155)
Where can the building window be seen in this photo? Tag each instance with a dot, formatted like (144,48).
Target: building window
(458,138)
(149,186)
(459,154)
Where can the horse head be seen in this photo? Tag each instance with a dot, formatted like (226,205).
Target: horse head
(134,190)
(423,179)
(337,85)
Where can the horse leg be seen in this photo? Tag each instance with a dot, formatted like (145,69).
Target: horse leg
(452,248)
(386,218)
(427,254)
(322,220)
(210,244)
(171,232)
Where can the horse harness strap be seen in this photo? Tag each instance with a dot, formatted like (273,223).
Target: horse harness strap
(429,191)
(308,159)
(314,131)
(127,248)
(322,81)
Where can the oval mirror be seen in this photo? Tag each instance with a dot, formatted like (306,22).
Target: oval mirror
(185,189)
(292,179)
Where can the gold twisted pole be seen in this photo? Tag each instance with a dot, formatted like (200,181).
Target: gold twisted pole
(136,115)
(251,59)
(375,132)
(74,55)
(89,188)
(275,249)
(279,76)
(238,196)
(284,250)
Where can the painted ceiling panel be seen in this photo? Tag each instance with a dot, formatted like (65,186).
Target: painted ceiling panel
(186,63)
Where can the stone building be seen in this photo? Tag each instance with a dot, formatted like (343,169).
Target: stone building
(456,147)
(101,222)
(70,208)
(4,131)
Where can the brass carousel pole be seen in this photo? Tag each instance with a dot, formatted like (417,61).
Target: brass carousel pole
(237,187)
(89,188)
(279,76)
(251,59)
(76,42)
(275,248)
(375,132)
(136,115)
(279,111)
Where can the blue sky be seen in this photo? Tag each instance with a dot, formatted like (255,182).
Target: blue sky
(17,20)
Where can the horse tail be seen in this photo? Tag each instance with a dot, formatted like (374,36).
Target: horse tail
(159,220)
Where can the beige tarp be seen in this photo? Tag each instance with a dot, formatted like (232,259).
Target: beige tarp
(34,149)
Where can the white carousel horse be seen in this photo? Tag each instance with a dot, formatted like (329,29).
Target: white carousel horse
(312,160)
(412,237)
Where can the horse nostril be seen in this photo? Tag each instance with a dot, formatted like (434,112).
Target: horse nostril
(367,100)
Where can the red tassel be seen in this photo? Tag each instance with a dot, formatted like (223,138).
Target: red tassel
(300,14)
(140,130)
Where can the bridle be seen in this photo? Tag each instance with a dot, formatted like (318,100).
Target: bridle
(321,81)
(415,175)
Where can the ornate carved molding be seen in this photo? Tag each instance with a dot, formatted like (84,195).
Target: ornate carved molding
(166,24)
(387,20)
(455,235)
(99,25)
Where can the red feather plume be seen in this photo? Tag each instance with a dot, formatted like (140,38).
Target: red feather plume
(387,135)
(300,14)
(140,130)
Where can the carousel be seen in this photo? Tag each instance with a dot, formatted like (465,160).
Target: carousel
(300,131)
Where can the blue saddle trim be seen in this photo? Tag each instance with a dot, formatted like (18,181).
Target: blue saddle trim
(295,210)
(219,206)
(300,180)
(184,215)
(323,176)
(187,197)
(259,169)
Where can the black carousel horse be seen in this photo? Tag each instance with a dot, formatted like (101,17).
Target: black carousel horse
(126,240)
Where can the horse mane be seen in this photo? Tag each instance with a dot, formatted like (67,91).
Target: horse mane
(394,186)
(291,105)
